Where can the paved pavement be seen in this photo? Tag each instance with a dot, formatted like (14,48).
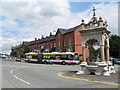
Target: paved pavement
(113,79)
(31,75)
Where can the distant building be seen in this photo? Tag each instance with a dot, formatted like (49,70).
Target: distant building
(2,55)
(65,40)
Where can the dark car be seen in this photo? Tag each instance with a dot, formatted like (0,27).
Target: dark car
(18,59)
(112,58)
(117,60)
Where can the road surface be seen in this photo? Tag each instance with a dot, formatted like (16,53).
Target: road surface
(31,75)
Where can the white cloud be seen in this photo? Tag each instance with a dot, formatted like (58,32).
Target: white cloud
(10,23)
(109,12)
(41,18)
(7,40)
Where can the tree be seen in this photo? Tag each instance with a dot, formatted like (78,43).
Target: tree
(13,54)
(96,52)
(26,49)
(114,46)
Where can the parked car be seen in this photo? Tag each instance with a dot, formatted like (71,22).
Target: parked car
(117,60)
(26,60)
(112,58)
(18,59)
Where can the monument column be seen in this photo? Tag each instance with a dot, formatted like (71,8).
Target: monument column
(102,53)
(83,52)
(107,54)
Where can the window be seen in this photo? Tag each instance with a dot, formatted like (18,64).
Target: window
(58,58)
(64,43)
(70,57)
(54,44)
(59,43)
(44,44)
(50,45)
(70,49)
(34,56)
(58,35)
(70,41)
(47,45)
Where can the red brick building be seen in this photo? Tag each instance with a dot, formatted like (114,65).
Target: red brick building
(65,40)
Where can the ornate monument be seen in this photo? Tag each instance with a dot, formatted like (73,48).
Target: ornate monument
(96,31)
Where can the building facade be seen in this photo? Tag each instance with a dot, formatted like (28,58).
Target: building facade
(65,40)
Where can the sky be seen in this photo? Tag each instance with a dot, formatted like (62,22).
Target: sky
(24,21)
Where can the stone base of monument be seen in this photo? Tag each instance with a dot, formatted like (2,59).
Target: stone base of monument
(106,72)
(86,69)
(92,69)
(111,68)
(101,68)
(83,68)
(97,63)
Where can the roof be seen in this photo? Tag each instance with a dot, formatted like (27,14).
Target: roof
(25,43)
(42,40)
(62,30)
(49,38)
(65,31)
(72,29)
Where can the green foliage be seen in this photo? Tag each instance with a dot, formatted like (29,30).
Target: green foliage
(14,54)
(26,49)
(80,59)
(92,65)
(96,52)
(22,56)
(114,46)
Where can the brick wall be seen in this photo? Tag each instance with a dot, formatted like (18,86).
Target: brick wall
(68,41)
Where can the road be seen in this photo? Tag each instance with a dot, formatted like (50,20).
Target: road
(31,75)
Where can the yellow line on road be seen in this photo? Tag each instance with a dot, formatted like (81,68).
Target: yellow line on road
(61,75)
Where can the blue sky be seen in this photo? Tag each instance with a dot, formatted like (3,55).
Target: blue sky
(21,23)
(82,6)
(2,18)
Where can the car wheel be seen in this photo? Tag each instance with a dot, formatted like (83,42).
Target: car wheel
(28,61)
(63,63)
(45,62)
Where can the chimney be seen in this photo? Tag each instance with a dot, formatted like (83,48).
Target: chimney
(42,37)
(82,24)
(50,33)
(35,39)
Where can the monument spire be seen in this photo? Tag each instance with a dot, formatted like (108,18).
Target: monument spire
(94,11)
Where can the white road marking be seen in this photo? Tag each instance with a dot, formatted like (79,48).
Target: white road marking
(11,71)
(21,79)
